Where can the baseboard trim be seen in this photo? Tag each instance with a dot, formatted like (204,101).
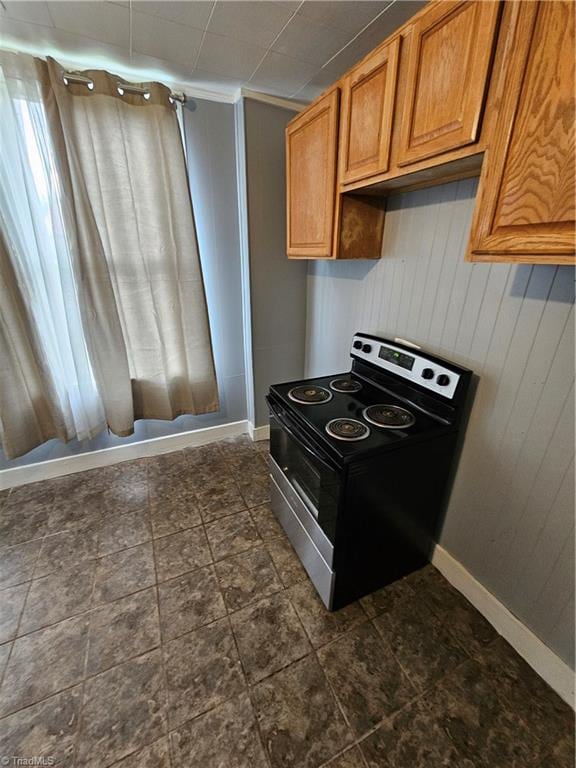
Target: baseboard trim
(558,675)
(46,470)
(258,433)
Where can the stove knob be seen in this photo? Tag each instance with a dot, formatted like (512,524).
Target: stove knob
(366,348)
(427,373)
(357,344)
(443,380)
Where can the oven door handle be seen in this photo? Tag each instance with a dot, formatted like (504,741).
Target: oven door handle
(298,437)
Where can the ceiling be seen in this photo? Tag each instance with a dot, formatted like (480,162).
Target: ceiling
(288,49)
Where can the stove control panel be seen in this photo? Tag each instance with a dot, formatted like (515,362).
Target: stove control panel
(413,366)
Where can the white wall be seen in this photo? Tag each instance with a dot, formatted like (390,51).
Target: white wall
(510,520)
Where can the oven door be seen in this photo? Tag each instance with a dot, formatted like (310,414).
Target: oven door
(309,472)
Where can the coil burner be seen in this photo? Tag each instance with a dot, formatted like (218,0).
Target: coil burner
(345,385)
(309,395)
(347,429)
(388,416)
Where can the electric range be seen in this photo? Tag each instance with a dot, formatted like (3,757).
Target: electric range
(361,461)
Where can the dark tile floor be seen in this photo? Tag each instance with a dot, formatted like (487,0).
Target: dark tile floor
(153,614)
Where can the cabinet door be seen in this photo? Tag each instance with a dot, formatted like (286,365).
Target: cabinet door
(311,153)
(367,111)
(449,62)
(525,203)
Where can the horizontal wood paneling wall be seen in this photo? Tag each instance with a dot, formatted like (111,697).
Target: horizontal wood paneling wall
(510,520)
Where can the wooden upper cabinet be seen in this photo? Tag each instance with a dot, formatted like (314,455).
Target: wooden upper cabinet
(412,115)
(311,155)
(451,49)
(525,203)
(367,112)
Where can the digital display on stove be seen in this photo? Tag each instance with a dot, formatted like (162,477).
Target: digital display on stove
(398,358)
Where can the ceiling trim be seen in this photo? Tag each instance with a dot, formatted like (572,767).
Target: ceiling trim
(194,92)
(277,101)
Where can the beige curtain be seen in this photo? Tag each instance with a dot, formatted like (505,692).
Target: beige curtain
(132,247)
(29,411)
(127,174)
(47,387)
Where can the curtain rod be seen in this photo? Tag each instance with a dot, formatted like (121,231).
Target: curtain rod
(76,77)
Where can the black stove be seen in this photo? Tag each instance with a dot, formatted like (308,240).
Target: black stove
(314,415)
(360,464)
